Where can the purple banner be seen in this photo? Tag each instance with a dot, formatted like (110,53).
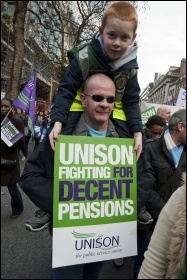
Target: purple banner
(26,101)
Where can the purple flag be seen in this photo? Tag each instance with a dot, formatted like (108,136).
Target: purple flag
(26,101)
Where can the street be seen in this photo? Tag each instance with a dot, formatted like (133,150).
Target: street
(27,255)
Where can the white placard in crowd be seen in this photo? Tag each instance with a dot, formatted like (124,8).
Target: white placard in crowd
(181,100)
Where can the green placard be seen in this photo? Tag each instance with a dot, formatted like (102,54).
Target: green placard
(94,181)
(146,114)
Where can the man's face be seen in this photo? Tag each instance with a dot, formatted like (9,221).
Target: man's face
(117,36)
(5,107)
(155,131)
(166,114)
(97,113)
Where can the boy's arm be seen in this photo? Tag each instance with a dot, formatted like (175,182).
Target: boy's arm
(67,91)
(53,136)
(137,144)
(131,107)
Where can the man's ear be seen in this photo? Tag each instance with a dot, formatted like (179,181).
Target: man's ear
(180,126)
(82,97)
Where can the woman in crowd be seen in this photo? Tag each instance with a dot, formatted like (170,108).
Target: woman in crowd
(166,254)
(40,125)
(10,177)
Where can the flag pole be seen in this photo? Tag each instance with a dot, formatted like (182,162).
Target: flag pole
(50,94)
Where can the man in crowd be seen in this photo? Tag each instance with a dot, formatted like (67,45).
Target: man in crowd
(155,126)
(37,178)
(165,160)
(165,113)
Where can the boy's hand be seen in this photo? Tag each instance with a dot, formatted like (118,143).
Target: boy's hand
(137,144)
(53,136)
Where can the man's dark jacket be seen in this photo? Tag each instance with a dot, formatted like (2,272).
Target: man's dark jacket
(37,177)
(158,169)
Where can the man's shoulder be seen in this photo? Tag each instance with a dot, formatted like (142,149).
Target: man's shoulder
(155,144)
(152,140)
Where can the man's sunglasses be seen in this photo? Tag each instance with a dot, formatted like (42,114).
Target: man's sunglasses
(99,98)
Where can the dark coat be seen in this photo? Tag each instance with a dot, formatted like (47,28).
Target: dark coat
(12,177)
(37,177)
(44,120)
(158,169)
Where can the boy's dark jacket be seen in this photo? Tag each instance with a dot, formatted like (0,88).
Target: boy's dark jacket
(73,81)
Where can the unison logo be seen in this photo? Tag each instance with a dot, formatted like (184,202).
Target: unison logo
(93,240)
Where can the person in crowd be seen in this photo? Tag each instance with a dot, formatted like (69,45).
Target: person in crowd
(10,178)
(27,134)
(37,178)
(13,110)
(18,112)
(155,126)
(48,116)
(165,257)
(112,51)
(164,161)
(164,112)
(40,124)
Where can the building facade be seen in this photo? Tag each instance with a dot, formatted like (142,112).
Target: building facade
(42,48)
(165,88)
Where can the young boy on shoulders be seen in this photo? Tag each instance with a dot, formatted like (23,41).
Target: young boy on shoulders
(112,51)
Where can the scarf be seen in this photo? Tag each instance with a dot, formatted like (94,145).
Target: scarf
(175,151)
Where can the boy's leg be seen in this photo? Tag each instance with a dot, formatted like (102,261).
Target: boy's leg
(144,220)
(39,222)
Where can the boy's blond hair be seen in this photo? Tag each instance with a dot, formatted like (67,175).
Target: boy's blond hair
(122,11)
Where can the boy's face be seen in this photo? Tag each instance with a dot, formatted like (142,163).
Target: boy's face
(117,36)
